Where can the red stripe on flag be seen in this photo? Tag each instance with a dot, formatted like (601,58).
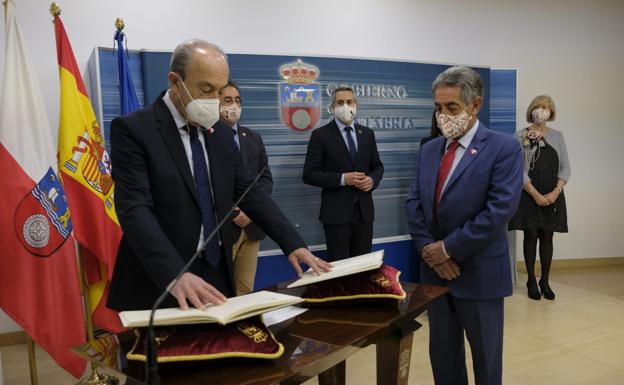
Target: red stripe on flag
(105,317)
(65,54)
(87,212)
(41,294)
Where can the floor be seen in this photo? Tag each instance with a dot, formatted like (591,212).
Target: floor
(578,339)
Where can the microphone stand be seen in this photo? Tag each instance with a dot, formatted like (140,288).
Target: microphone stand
(151,364)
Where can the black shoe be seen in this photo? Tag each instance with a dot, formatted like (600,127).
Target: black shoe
(546,290)
(533,290)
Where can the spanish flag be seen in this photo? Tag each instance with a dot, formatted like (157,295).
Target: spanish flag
(85,170)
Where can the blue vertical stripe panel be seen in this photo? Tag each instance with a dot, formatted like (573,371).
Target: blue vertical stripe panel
(503,100)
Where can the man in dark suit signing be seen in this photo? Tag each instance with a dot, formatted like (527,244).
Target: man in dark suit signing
(467,187)
(177,173)
(342,158)
(247,235)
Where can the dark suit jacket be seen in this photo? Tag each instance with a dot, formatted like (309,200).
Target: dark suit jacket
(480,198)
(255,157)
(156,203)
(328,158)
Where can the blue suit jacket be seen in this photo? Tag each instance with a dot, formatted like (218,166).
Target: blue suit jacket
(480,198)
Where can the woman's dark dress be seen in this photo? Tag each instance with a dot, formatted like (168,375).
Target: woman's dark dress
(544,178)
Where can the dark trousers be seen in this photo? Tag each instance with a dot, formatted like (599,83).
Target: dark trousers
(218,276)
(349,239)
(482,321)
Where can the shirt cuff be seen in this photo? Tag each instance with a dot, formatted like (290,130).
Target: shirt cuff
(445,252)
(342,180)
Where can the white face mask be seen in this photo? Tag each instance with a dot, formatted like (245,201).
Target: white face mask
(231,113)
(345,113)
(453,127)
(540,115)
(204,112)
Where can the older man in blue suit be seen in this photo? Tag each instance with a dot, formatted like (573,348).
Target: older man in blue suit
(467,187)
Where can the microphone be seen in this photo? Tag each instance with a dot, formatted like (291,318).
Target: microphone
(151,364)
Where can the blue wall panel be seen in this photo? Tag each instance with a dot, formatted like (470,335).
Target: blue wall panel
(394,100)
(503,100)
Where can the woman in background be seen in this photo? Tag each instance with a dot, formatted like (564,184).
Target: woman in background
(542,209)
(434,131)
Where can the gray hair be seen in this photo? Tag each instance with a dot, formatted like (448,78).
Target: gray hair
(183,53)
(468,81)
(342,88)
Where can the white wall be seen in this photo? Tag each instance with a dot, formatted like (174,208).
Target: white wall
(571,49)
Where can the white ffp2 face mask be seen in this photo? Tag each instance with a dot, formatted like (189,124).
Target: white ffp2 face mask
(345,113)
(204,112)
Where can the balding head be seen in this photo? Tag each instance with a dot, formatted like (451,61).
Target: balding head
(183,54)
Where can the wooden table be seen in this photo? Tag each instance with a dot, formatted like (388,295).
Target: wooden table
(316,343)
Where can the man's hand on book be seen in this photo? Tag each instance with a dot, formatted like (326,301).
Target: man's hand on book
(197,291)
(304,255)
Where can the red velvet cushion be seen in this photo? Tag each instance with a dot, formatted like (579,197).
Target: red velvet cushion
(378,284)
(247,338)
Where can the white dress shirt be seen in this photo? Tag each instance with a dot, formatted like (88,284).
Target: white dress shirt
(186,141)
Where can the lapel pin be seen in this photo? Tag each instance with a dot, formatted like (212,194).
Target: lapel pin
(244,134)
(360,132)
(473,151)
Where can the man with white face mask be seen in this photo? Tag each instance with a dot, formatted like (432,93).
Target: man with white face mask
(467,187)
(177,173)
(342,158)
(247,235)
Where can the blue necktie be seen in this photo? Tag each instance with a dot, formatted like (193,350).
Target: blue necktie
(352,149)
(202,181)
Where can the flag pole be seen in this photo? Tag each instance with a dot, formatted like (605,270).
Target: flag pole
(32,361)
(95,378)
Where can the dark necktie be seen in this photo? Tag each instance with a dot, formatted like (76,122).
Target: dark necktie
(204,194)
(234,139)
(445,168)
(352,149)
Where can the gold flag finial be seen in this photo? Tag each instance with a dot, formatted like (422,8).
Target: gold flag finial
(119,23)
(55,10)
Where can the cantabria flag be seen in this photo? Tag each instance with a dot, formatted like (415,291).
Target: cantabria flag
(39,286)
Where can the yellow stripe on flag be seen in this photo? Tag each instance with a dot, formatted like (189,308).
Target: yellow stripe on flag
(81,142)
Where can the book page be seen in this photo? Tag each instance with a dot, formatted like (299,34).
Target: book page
(274,317)
(342,268)
(236,308)
(248,305)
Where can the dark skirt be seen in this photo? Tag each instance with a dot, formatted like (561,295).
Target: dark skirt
(543,172)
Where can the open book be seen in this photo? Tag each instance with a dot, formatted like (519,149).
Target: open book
(342,268)
(235,309)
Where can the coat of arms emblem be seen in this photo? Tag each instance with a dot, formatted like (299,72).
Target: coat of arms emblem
(300,97)
(42,220)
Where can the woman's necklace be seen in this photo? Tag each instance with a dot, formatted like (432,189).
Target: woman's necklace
(535,134)
(534,157)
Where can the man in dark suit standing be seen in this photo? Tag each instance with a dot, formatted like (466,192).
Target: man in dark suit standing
(247,235)
(467,187)
(177,173)
(342,158)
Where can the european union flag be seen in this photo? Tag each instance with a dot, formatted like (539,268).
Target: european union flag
(127,94)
